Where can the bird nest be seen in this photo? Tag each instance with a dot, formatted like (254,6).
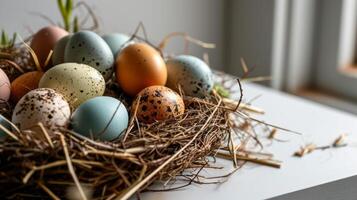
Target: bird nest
(57,165)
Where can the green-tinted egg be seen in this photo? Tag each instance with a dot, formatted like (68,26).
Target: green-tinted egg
(88,48)
(58,50)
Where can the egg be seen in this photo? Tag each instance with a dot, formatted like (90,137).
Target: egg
(41,105)
(104,118)
(116,41)
(139,66)
(24,84)
(58,50)
(77,82)
(89,48)
(5,124)
(156,103)
(191,74)
(4,87)
(45,40)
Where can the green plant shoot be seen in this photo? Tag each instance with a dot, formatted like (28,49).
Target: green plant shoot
(221,90)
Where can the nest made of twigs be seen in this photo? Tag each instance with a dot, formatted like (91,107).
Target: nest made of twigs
(41,165)
(35,167)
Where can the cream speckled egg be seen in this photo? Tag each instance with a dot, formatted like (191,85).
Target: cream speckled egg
(77,82)
(41,105)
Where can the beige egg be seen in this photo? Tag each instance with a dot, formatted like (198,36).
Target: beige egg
(41,105)
(76,82)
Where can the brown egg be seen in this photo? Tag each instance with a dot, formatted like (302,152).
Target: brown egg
(24,84)
(157,103)
(45,40)
(139,66)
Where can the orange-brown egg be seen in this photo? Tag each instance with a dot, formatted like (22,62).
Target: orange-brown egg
(139,66)
(157,103)
(45,40)
(24,84)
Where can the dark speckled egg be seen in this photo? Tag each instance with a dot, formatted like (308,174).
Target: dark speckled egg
(88,48)
(41,105)
(157,103)
(191,74)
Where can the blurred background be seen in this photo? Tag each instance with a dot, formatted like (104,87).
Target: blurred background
(307,47)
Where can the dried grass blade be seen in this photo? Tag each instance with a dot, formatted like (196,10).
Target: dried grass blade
(9,133)
(47,136)
(48,191)
(136,186)
(71,169)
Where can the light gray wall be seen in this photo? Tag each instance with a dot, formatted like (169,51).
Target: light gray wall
(249,35)
(200,18)
(239,28)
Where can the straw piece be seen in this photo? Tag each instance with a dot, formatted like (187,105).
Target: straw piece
(71,169)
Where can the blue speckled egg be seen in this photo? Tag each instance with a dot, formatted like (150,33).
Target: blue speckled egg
(191,73)
(104,118)
(116,41)
(5,124)
(87,47)
(58,50)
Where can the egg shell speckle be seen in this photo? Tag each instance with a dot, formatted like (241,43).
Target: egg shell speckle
(77,82)
(4,87)
(41,105)
(89,48)
(103,118)
(157,103)
(116,41)
(191,73)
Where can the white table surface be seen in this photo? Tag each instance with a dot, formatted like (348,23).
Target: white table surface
(325,174)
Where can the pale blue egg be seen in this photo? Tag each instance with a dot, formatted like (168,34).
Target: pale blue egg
(116,41)
(87,47)
(58,50)
(104,118)
(191,74)
(5,124)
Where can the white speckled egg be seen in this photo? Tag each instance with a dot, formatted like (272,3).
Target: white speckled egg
(191,73)
(116,42)
(4,87)
(89,48)
(103,118)
(41,105)
(58,50)
(77,82)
